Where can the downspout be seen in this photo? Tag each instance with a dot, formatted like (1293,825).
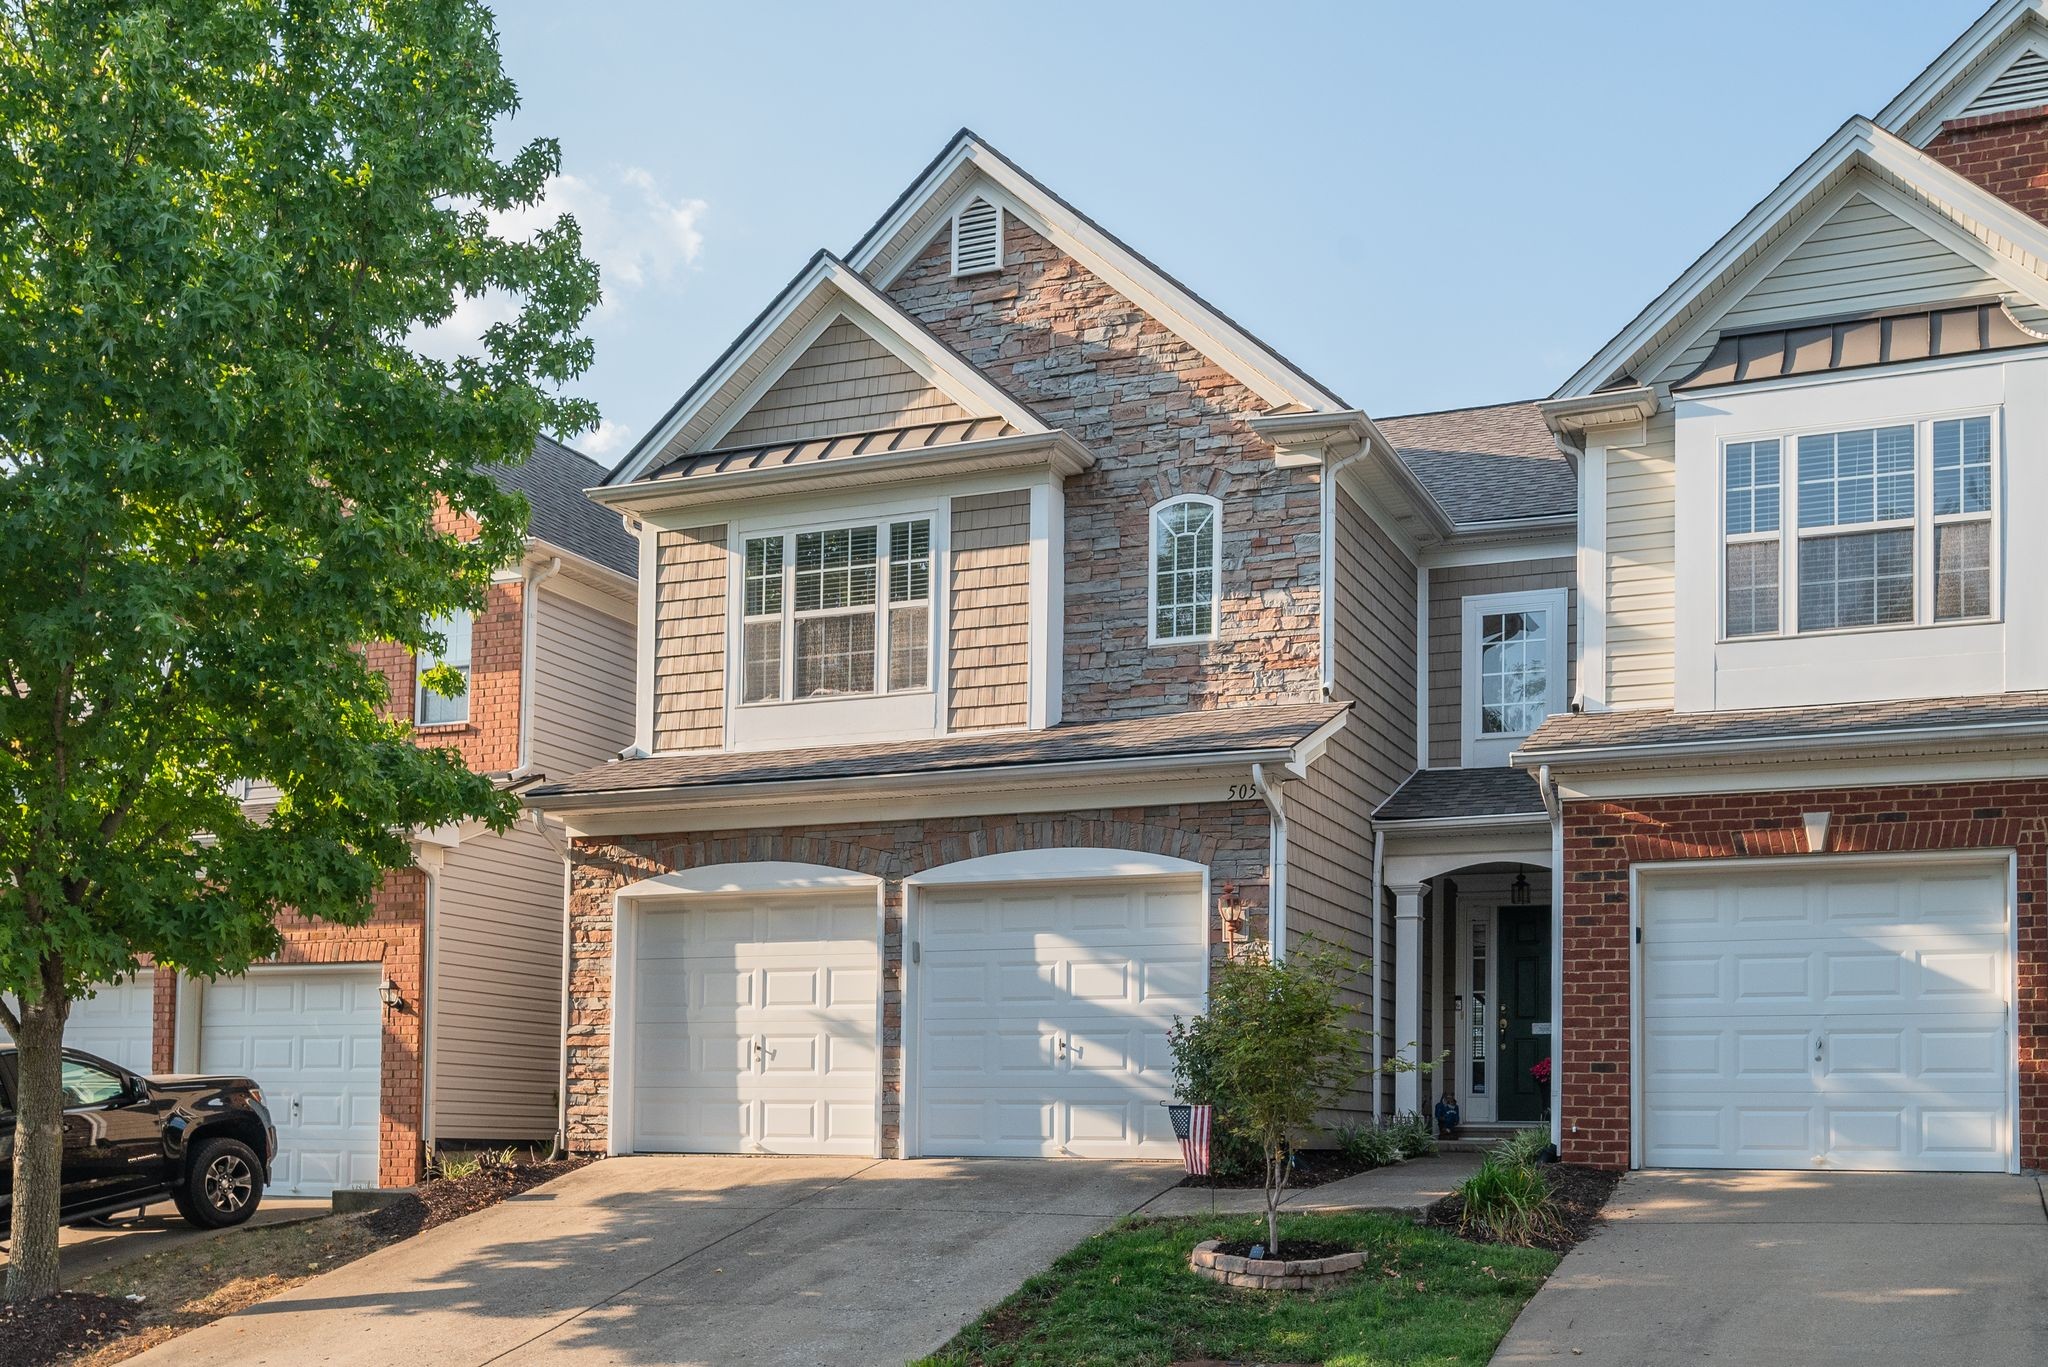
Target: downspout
(1379,902)
(529,613)
(1276,864)
(561,848)
(430,976)
(1552,805)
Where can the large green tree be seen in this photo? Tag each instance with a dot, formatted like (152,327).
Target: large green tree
(224,468)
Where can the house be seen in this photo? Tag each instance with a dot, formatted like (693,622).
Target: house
(1018,633)
(1801,802)
(439,1019)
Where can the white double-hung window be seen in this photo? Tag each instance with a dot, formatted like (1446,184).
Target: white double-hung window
(836,611)
(431,708)
(1873,527)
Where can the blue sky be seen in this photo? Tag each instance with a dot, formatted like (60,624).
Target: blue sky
(1423,205)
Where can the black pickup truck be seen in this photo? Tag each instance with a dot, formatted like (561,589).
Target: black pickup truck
(130,1141)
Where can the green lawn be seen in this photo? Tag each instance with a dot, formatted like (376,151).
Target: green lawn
(1126,1298)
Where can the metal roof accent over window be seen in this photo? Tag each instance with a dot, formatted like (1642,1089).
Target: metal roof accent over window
(2022,85)
(977,238)
(814,450)
(1870,339)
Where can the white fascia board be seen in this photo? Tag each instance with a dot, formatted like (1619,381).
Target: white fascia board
(1504,543)
(1255,365)
(1961,201)
(1445,825)
(1311,749)
(603,577)
(1926,91)
(892,327)
(1053,451)
(1787,749)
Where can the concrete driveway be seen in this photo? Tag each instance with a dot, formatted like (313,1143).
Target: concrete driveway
(690,1260)
(1869,1269)
(87,1249)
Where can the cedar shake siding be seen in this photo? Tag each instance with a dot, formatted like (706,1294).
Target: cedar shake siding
(1230,838)
(689,640)
(1164,420)
(1449,587)
(846,381)
(989,597)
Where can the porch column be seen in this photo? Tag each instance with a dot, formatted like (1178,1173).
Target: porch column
(1407,991)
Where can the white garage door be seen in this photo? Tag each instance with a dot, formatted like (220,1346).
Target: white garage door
(312,1040)
(114,1022)
(1839,1018)
(1043,1012)
(754,1026)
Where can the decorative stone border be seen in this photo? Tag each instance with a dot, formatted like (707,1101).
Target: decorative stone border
(1270,1274)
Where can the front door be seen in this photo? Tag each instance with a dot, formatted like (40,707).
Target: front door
(1524,1012)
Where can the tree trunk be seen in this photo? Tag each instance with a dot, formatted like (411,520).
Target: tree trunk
(1276,1179)
(38,1148)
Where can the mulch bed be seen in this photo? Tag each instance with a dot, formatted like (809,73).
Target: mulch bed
(1291,1251)
(54,1330)
(1577,1195)
(451,1198)
(1312,1168)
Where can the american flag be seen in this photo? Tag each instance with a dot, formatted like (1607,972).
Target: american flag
(1191,1127)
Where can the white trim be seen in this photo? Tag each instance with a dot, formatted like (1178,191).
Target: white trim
(644,614)
(1723,867)
(1550,545)
(1477,749)
(1590,575)
(1938,87)
(747,878)
(1422,625)
(425,660)
(1045,641)
(1152,517)
(977,169)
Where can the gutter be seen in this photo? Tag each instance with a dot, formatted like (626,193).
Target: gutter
(529,613)
(1453,824)
(1276,864)
(1917,737)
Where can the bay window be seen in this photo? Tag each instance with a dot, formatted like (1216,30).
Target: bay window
(1878,526)
(836,612)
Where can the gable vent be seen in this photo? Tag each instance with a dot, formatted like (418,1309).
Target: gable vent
(977,238)
(2022,85)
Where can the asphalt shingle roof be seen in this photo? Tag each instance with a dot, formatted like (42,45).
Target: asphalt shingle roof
(553,479)
(1490,464)
(1215,731)
(1435,794)
(1585,730)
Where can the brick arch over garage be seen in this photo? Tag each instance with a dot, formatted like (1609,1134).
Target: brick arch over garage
(1229,839)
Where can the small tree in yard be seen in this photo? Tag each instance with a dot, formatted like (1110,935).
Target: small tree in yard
(224,470)
(1274,1048)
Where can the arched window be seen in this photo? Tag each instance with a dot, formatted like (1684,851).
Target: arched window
(1186,568)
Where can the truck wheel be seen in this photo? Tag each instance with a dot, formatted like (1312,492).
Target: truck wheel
(222,1185)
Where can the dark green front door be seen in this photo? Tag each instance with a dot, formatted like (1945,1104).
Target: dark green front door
(1524,1017)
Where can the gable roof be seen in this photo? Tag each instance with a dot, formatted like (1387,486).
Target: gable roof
(1978,58)
(2010,245)
(1497,463)
(826,288)
(553,479)
(968,165)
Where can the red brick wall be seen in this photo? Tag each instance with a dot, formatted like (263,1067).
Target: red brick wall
(1230,838)
(163,1021)
(489,739)
(1164,420)
(2005,153)
(1603,839)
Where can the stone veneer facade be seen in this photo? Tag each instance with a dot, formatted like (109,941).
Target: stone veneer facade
(1602,840)
(1231,839)
(1163,420)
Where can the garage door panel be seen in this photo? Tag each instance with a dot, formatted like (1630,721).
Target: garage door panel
(1827,1019)
(116,1022)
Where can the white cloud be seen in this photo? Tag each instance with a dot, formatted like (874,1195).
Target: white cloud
(606,438)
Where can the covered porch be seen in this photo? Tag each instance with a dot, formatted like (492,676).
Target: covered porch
(1468,980)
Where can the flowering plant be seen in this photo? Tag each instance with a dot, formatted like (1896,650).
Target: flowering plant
(1541,1072)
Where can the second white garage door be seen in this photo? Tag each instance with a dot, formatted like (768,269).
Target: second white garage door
(1849,1017)
(312,1039)
(754,1025)
(115,1022)
(1043,1014)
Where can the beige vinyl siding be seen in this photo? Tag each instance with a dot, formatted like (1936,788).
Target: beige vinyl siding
(989,612)
(582,685)
(689,640)
(1449,586)
(497,989)
(845,381)
(1641,568)
(1329,852)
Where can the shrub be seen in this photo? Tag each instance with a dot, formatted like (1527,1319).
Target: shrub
(1412,1135)
(1523,1148)
(1367,1146)
(1508,1202)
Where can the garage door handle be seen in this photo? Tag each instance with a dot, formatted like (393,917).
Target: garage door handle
(1819,1046)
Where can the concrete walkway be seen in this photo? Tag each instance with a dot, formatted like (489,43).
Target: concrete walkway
(1402,1189)
(1819,1269)
(689,1260)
